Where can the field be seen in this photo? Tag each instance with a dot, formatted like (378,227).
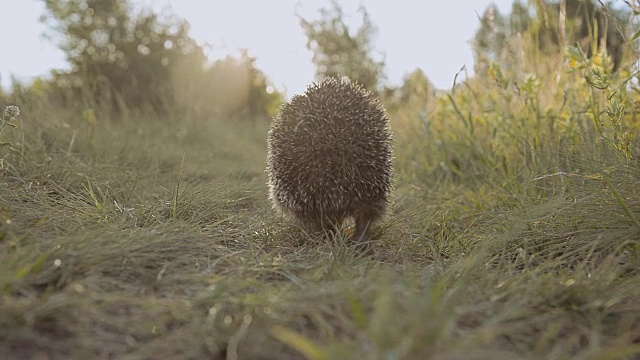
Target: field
(513,233)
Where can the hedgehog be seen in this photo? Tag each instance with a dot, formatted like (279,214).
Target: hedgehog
(330,158)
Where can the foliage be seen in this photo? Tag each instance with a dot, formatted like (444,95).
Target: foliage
(252,95)
(232,87)
(120,60)
(123,61)
(415,93)
(339,52)
(549,27)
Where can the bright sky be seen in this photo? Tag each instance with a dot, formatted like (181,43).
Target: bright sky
(432,35)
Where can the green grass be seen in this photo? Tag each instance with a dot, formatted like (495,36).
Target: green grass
(513,233)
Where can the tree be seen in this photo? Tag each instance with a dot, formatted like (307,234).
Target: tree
(490,39)
(337,52)
(551,26)
(241,89)
(119,60)
(416,89)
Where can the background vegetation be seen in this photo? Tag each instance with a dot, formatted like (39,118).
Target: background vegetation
(134,220)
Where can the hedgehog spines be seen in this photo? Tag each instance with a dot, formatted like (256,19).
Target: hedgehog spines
(329,157)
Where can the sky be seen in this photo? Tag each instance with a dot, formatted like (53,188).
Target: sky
(432,35)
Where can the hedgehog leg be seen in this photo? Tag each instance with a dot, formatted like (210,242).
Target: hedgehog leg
(331,228)
(330,232)
(362,235)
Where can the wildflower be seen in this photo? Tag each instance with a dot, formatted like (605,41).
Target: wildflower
(573,63)
(492,73)
(11,111)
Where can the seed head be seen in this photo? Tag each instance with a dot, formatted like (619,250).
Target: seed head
(11,111)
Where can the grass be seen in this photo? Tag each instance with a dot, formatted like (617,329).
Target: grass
(513,233)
